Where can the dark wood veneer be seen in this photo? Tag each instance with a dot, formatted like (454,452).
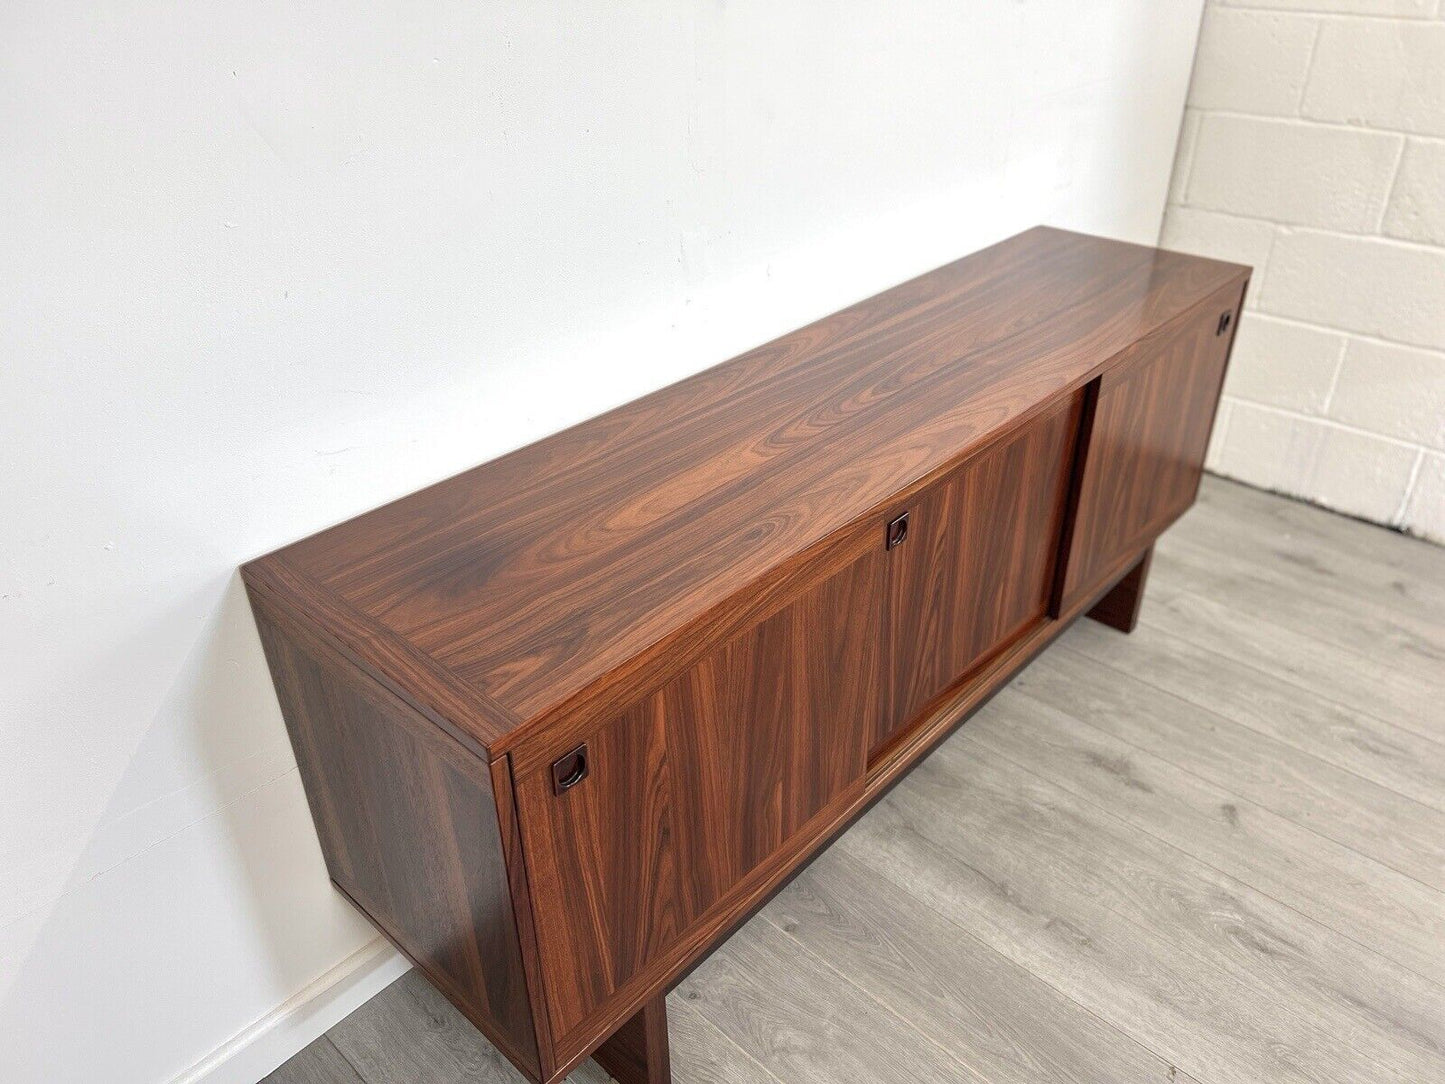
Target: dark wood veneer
(1119,609)
(408,825)
(977,565)
(696,593)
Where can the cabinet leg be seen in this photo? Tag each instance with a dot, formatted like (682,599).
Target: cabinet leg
(1119,609)
(637,1052)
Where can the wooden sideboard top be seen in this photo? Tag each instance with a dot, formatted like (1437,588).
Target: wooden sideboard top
(516,589)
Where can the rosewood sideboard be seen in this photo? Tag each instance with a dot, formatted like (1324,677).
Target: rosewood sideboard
(567,719)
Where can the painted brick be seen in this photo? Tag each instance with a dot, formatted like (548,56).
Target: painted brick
(1409,8)
(1381,73)
(1252,62)
(1222,237)
(1376,287)
(1425,514)
(1361,474)
(1417,206)
(1313,149)
(1217,434)
(1283,365)
(1305,174)
(1397,391)
(1270,449)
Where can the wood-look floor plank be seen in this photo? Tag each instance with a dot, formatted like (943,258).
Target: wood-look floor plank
(1383,824)
(1389,755)
(1185,960)
(319,1063)
(1319,546)
(701,1054)
(804,1022)
(1374,905)
(1409,701)
(409,1032)
(1349,619)
(1008,1025)
(1354,896)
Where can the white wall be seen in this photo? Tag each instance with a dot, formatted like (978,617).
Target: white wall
(267,265)
(1314,149)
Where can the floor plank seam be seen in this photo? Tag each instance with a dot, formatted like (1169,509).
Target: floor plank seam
(1143,679)
(1239,798)
(1117,1026)
(912,1028)
(1388,961)
(342,1055)
(1008,960)
(705,1022)
(1295,681)
(1239,722)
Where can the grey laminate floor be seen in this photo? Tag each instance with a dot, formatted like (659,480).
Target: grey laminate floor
(1212,851)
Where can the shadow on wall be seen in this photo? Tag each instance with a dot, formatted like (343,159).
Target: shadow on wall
(235,849)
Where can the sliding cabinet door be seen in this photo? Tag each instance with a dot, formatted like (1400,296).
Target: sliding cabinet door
(976,564)
(1144,452)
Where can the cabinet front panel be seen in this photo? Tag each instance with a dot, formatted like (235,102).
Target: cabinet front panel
(1146,449)
(977,564)
(691,789)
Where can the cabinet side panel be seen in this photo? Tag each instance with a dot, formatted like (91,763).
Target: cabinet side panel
(409,828)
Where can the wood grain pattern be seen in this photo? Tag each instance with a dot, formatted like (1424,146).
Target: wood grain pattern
(1008,919)
(692,594)
(1339,980)
(637,1053)
(754,889)
(1145,453)
(977,565)
(691,790)
(409,830)
(1341,805)
(1119,609)
(535,575)
(1025,865)
(1007,1025)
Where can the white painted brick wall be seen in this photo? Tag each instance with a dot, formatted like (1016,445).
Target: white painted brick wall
(1313,148)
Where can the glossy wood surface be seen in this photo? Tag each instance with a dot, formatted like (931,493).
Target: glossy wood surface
(567,718)
(977,564)
(1119,609)
(536,577)
(409,830)
(699,783)
(1103,770)
(638,1053)
(1145,452)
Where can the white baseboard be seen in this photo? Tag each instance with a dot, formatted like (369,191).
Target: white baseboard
(258,1049)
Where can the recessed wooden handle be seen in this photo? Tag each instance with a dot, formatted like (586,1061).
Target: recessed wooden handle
(897,531)
(1225,319)
(569,769)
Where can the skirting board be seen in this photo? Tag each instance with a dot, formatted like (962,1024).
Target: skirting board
(258,1049)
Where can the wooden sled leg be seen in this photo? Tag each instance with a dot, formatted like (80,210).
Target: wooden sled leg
(1119,609)
(637,1052)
